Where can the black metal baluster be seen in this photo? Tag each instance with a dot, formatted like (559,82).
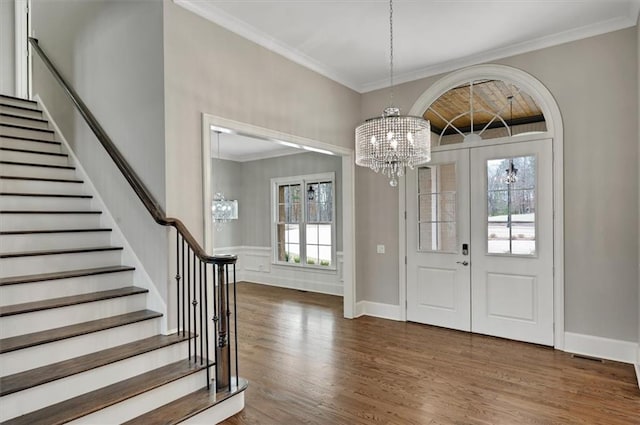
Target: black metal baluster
(183,298)
(194,304)
(206,325)
(235,321)
(215,318)
(200,314)
(186,301)
(178,280)
(226,269)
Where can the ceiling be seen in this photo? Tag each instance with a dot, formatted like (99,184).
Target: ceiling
(348,41)
(241,148)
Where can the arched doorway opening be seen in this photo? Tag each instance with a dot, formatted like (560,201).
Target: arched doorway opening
(510,118)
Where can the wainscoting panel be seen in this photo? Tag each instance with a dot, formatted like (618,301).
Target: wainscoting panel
(254,265)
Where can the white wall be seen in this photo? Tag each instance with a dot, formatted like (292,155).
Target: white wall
(595,83)
(7,47)
(112,53)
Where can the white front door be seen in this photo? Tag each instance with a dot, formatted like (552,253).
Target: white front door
(503,220)
(512,241)
(438,280)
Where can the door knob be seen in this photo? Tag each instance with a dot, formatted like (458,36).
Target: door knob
(464,263)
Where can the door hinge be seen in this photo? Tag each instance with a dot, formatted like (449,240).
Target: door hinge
(405,215)
(405,260)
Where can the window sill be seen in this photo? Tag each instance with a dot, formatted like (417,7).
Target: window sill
(310,268)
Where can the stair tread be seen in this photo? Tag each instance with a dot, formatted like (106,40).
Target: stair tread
(93,401)
(41,179)
(59,251)
(57,334)
(35,232)
(4,114)
(49,212)
(51,303)
(31,164)
(25,127)
(45,195)
(14,280)
(7,96)
(42,375)
(31,139)
(34,152)
(185,407)
(7,105)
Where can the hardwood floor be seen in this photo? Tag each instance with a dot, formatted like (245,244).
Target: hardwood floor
(308,365)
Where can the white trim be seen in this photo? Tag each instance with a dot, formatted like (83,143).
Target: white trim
(208,11)
(553,118)
(141,277)
(637,368)
(383,311)
(22,56)
(604,348)
(218,413)
(348,191)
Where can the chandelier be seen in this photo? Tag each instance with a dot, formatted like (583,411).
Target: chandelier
(223,210)
(392,142)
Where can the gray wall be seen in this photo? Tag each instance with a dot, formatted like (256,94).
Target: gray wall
(638,54)
(252,188)
(7,47)
(595,82)
(112,53)
(209,69)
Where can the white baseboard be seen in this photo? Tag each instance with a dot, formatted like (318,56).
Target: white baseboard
(604,348)
(383,311)
(637,366)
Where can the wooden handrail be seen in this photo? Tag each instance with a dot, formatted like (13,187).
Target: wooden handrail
(127,171)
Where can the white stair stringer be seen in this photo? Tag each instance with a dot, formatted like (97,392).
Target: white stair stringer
(44,395)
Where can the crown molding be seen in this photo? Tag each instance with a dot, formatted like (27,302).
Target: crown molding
(515,49)
(210,12)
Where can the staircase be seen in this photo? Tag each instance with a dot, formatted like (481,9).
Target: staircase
(77,342)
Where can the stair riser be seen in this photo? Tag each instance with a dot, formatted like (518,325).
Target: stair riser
(6,142)
(17,102)
(48,221)
(38,291)
(50,393)
(33,158)
(26,323)
(33,242)
(33,357)
(57,263)
(41,172)
(34,203)
(25,132)
(30,186)
(31,113)
(145,402)
(23,121)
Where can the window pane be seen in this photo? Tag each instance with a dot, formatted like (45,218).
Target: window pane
(324,234)
(324,254)
(312,254)
(437,208)
(312,233)
(511,204)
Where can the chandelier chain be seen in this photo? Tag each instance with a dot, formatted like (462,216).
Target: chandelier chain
(391,51)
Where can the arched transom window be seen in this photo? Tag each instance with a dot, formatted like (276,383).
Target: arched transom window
(481,110)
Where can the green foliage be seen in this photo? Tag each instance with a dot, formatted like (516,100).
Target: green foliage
(325,262)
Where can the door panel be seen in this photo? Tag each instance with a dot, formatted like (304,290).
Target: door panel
(438,284)
(512,241)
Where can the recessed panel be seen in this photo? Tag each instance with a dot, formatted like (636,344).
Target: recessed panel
(436,288)
(511,296)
